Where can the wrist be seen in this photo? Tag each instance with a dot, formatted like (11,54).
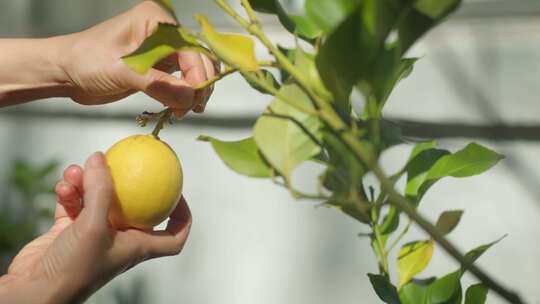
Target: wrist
(27,289)
(32,69)
(56,53)
(39,288)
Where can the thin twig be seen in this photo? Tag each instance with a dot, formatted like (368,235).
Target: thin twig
(400,236)
(214,79)
(250,12)
(165,116)
(278,94)
(226,72)
(297,194)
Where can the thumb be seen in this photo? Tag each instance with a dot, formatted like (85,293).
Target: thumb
(167,89)
(98,189)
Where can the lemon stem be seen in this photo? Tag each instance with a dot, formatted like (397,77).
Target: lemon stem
(165,115)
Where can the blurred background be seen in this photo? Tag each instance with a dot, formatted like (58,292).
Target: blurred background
(478,80)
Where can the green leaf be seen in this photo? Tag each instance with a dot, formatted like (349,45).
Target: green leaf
(391,221)
(339,62)
(476,294)
(448,221)
(329,14)
(343,178)
(266,77)
(165,40)
(387,73)
(474,159)
(422,159)
(283,143)
(363,27)
(427,165)
(425,15)
(420,147)
(240,156)
(446,290)
(416,291)
(168,6)
(413,258)
(304,27)
(474,254)
(264,6)
(384,289)
(305,62)
(235,50)
(355,52)
(435,8)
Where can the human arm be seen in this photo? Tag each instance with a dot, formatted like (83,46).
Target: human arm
(87,66)
(81,252)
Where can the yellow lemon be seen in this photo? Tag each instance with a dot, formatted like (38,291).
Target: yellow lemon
(147,178)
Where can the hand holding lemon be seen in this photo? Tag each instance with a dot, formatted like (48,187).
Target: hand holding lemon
(147,178)
(147,181)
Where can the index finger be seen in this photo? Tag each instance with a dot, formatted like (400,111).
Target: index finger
(171,240)
(193,72)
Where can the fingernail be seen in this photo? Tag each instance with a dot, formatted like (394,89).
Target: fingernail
(61,184)
(198,109)
(96,160)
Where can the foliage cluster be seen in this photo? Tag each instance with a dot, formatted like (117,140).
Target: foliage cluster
(343,46)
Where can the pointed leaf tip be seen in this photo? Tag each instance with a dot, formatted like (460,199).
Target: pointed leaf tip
(240,156)
(234,49)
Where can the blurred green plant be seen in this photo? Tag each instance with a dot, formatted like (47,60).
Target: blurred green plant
(342,46)
(21,215)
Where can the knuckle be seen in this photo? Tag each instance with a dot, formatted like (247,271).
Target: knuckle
(142,251)
(179,243)
(177,248)
(92,231)
(153,11)
(146,7)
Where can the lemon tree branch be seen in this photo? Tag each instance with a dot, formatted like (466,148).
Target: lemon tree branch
(227,71)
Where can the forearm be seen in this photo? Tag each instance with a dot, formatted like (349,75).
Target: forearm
(17,289)
(31,69)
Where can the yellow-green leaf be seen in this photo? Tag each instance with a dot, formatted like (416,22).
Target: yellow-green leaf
(305,62)
(263,76)
(241,156)
(413,258)
(235,50)
(282,142)
(165,40)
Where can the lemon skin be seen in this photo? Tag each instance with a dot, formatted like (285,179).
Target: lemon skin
(147,178)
